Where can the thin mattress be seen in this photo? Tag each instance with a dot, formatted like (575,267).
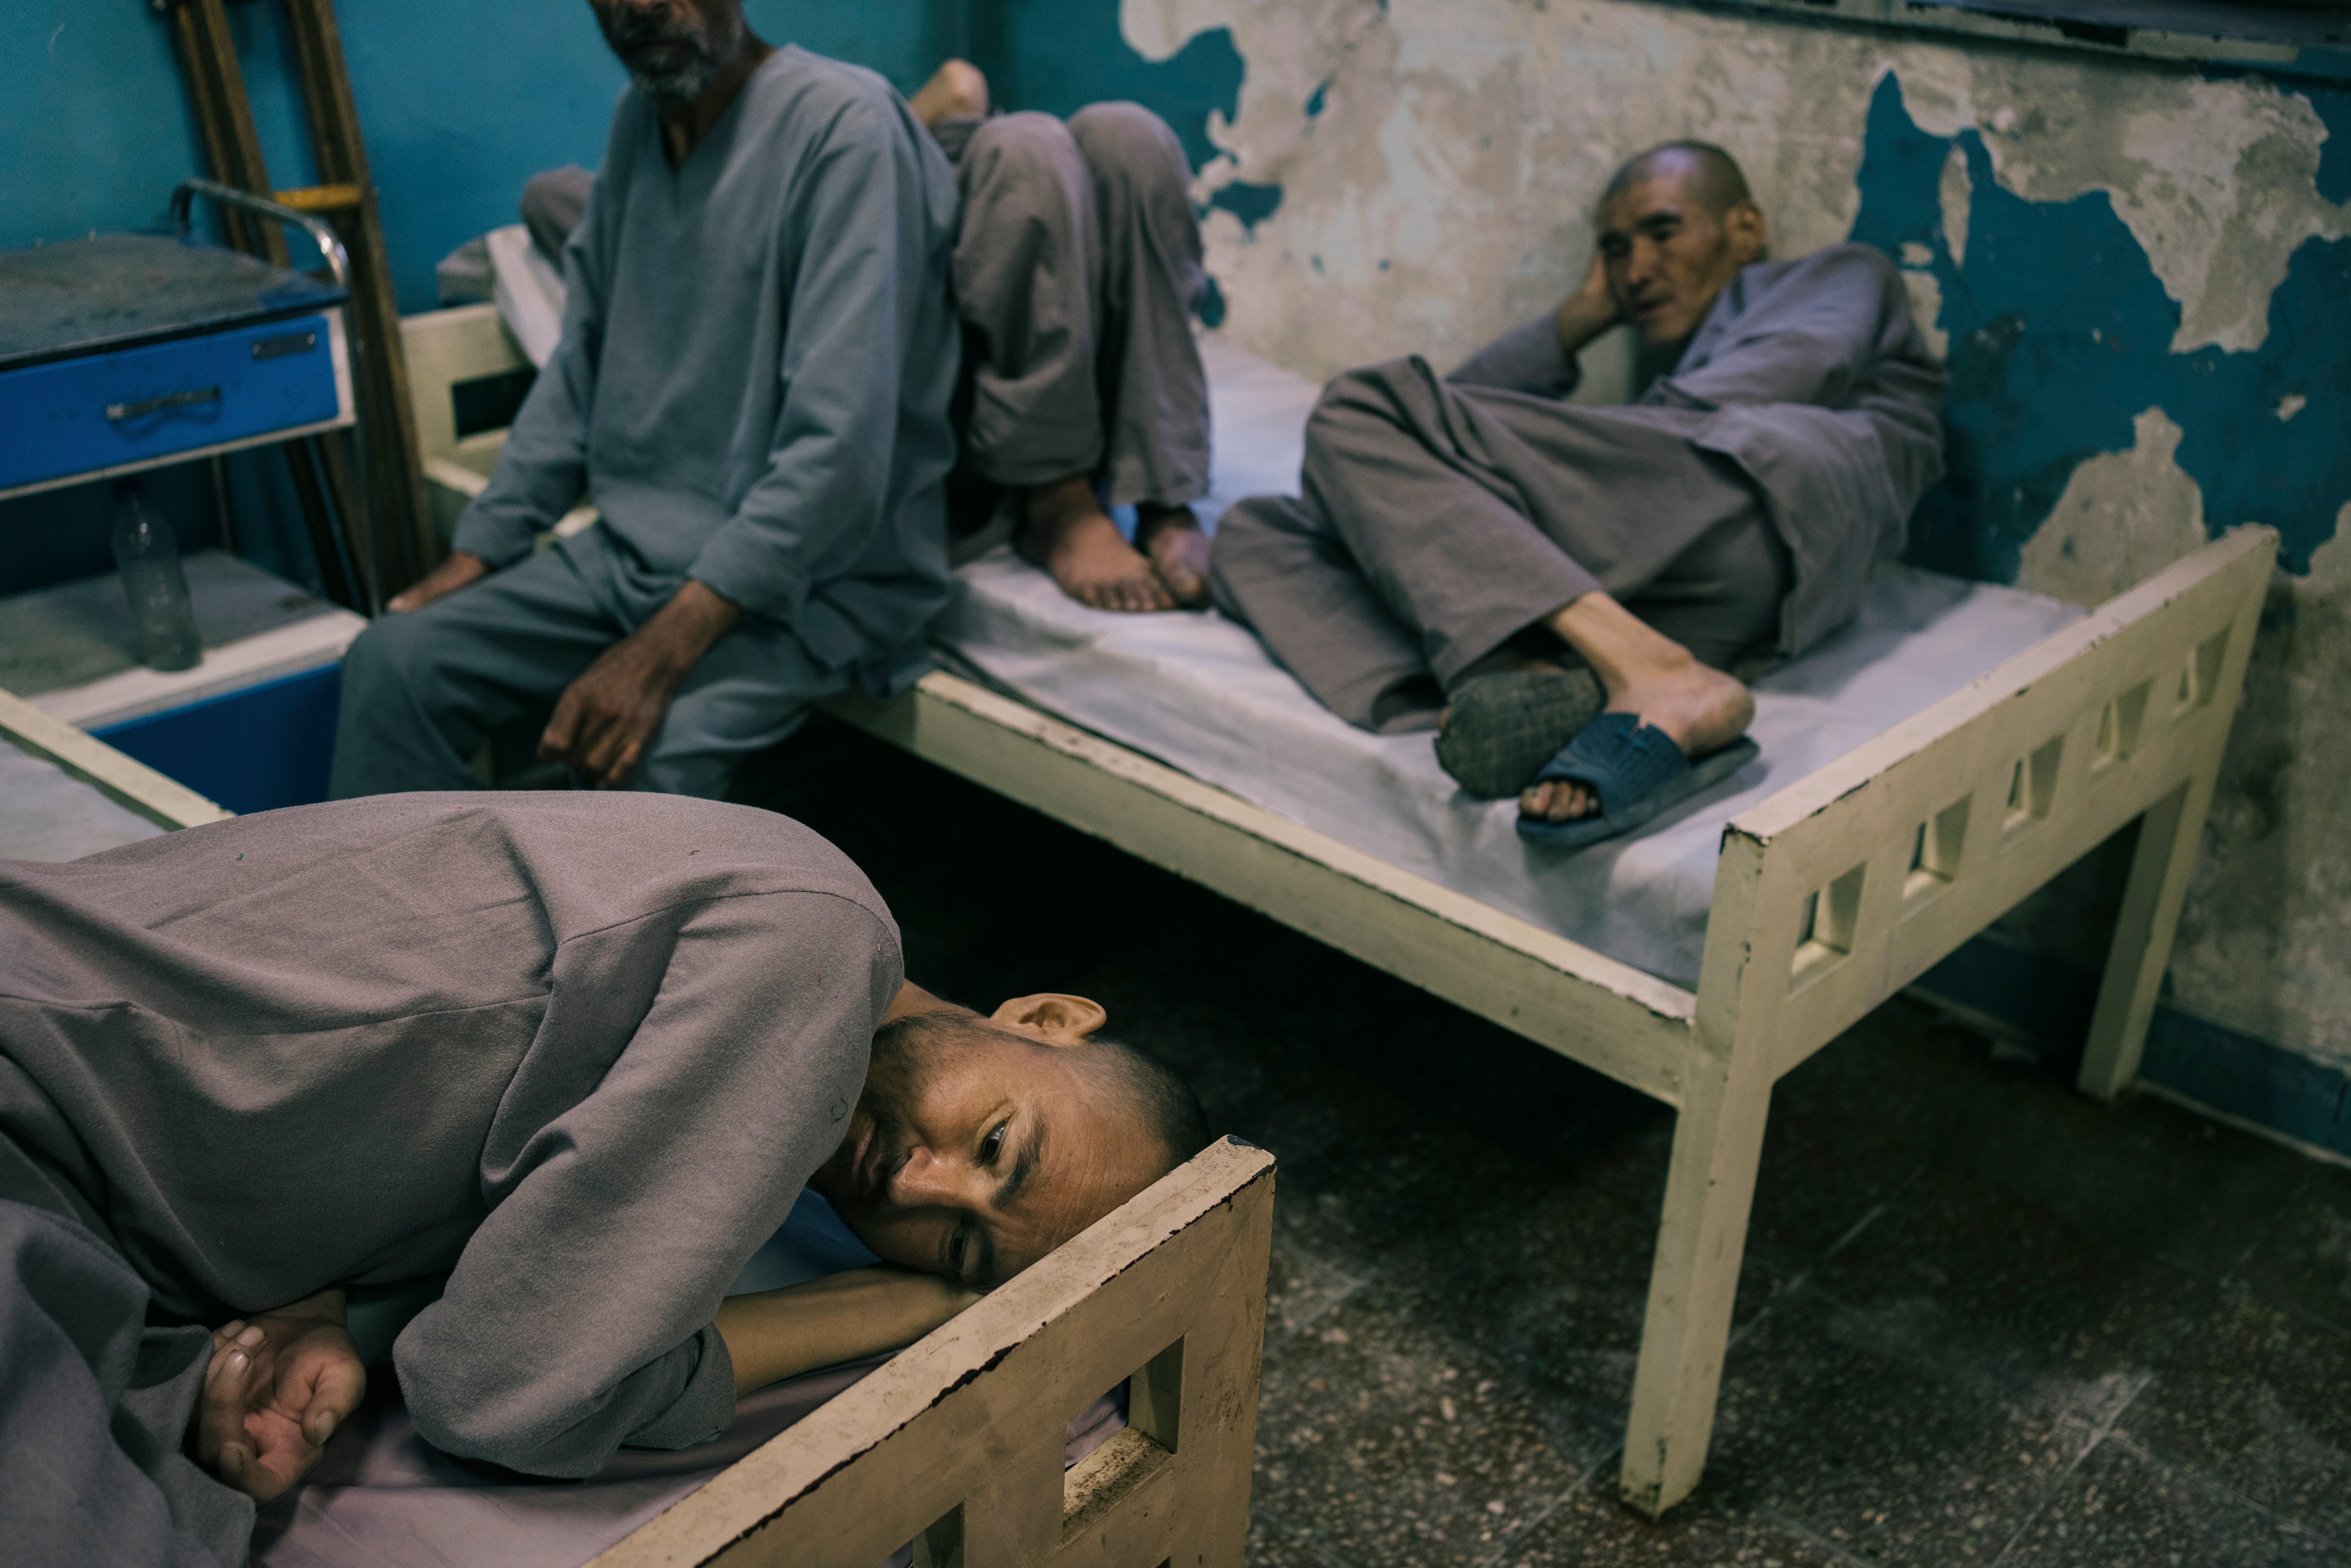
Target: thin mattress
(1199,693)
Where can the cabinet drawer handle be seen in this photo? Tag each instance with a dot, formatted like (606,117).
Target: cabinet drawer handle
(118,412)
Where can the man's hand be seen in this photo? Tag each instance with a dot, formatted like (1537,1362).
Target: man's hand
(606,720)
(1589,311)
(448,578)
(280,1385)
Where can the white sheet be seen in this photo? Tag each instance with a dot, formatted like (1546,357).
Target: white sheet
(1199,693)
(528,291)
(48,814)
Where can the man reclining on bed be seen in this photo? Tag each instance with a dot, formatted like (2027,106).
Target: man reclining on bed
(580,1053)
(1476,543)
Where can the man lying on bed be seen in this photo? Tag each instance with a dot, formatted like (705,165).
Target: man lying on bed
(578,1052)
(1077,267)
(1476,541)
(753,386)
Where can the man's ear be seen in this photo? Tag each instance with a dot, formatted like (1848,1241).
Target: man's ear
(1053,1018)
(1744,223)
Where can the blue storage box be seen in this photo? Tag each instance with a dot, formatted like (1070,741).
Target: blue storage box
(252,726)
(254,749)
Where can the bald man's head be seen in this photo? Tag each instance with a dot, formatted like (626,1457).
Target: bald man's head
(1676,222)
(1710,176)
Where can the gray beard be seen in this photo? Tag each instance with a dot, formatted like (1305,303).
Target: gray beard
(681,85)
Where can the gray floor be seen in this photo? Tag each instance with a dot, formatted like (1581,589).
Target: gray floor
(1982,1321)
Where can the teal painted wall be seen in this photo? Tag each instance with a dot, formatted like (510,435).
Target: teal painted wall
(461,101)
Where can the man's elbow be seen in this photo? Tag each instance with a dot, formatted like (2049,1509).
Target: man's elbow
(489,1436)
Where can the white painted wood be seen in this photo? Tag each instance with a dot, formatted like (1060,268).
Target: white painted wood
(233,666)
(2141,947)
(2043,713)
(1610,1016)
(442,348)
(129,783)
(2169,835)
(1709,1189)
(959,1436)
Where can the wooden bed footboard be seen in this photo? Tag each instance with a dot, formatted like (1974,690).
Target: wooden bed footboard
(957,1443)
(1853,882)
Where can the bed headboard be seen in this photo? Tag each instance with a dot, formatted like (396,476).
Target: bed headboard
(957,1443)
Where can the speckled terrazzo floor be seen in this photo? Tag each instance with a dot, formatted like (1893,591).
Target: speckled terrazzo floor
(1982,1320)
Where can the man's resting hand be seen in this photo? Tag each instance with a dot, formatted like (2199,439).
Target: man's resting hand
(605,722)
(1589,311)
(279,1385)
(448,578)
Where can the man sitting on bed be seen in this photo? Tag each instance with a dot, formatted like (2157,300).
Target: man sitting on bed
(577,1053)
(1476,541)
(753,386)
(1077,267)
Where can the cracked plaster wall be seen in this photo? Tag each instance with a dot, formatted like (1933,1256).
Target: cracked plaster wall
(1417,175)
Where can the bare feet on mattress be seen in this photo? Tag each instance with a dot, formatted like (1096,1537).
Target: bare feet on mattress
(1171,537)
(956,90)
(1065,530)
(1647,674)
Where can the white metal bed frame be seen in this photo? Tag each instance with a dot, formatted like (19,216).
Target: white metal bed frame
(1829,896)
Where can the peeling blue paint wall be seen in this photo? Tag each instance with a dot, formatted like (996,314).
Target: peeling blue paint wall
(2060,335)
(2140,270)
(1060,57)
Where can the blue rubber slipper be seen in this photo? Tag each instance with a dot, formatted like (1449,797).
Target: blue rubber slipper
(1635,770)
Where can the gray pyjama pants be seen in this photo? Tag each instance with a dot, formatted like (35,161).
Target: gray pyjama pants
(422,691)
(94,1408)
(1438,522)
(1076,272)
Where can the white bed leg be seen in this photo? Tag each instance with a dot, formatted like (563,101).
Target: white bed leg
(2168,836)
(1717,1144)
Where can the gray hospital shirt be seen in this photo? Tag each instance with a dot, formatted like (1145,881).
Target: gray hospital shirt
(582,1049)
(758,355)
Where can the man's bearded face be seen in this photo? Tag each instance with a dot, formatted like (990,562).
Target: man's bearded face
(673,50)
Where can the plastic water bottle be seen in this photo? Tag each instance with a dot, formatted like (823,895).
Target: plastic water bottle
(148,554)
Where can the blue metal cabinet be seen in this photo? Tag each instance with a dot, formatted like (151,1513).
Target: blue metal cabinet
(126,351)
(103,412)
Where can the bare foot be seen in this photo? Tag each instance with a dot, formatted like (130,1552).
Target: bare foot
(1648,674)
(956,90)
(1171,537)
(1065,530)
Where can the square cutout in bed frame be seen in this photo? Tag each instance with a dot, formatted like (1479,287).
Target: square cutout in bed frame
(1154,1406)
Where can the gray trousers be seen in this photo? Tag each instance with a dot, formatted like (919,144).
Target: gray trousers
(1438,522)
(95,1408)
(1076,271)
(422,691)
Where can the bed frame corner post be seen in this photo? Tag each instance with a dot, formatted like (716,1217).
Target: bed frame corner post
(2169,835)
(1709,1189)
